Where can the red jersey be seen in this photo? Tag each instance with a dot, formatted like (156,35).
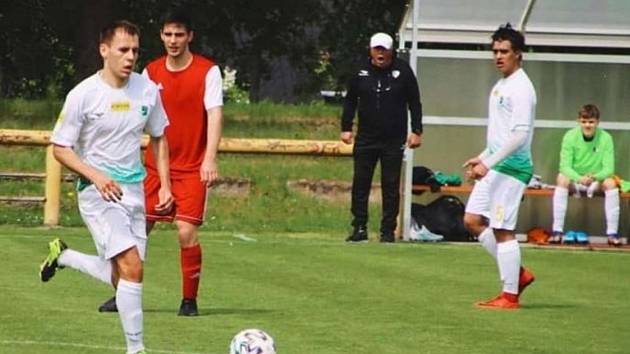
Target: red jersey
(182,94)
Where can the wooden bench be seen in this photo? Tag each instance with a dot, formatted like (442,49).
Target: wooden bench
(466,189)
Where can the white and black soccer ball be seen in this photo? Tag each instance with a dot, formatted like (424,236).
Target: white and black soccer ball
(252,341)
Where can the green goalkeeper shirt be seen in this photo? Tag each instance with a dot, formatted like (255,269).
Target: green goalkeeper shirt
(579,157)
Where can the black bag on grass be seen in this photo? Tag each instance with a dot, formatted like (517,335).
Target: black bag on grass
(443,216)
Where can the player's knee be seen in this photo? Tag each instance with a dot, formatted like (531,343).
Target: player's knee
(187,234)
(609,184)
(129,265)
(473,223)
(562,181)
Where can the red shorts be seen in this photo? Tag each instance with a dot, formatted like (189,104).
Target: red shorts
(189,193)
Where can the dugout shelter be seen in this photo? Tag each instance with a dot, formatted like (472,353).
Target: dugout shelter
(578,53)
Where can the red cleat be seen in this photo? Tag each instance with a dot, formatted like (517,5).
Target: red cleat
(524,279)
(504,301)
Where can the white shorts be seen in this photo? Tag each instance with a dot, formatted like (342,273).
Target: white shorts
(497,197)
(115,227)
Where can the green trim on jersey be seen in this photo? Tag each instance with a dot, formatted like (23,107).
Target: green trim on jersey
(519,170)
(127,176)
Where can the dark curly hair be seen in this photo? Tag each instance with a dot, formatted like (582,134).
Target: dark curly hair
(507,33)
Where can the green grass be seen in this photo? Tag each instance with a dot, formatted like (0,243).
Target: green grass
(269,206)
(315,294)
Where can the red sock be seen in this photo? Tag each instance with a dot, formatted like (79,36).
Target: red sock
(191,270)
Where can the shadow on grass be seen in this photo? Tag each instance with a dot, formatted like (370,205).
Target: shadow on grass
(214,311)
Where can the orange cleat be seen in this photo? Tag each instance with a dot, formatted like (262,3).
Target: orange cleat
(504,301)
(525,278)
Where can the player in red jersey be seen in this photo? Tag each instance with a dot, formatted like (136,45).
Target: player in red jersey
(191,91)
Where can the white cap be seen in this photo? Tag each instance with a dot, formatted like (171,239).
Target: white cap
(381,40)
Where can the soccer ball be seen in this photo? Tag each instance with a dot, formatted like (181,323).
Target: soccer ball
(252,341)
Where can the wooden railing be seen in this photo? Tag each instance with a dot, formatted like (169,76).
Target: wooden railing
(53,176)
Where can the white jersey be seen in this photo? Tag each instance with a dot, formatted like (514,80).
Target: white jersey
(104,125)
(512,107)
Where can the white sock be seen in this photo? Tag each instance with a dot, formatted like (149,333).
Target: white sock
(488,241)
(509,260)
(560,200)
(611,205)
(93,266)
(129,303)
(592,188)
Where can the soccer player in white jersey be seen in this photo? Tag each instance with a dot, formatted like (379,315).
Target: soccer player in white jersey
(504,168)
(98,135)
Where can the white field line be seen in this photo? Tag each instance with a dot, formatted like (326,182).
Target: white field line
(85,346)
(244,238)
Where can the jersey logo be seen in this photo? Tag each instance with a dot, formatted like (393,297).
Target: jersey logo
(144,110)
(122,106)
(363,73)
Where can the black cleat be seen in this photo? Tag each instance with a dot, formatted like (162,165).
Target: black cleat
(109,306)
(188,308)
(387,238)
(359,234)
(49,266)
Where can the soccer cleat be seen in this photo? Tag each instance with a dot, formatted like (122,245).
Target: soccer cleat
(427,236)
(613,240)
(109,306)
(504,301)
(581,237)
(188,308)
(569,238)
(359,234)
(525,278)
(49,266)
(556,238)
(387,238)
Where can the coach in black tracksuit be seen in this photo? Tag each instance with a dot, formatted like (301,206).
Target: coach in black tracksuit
(383,89)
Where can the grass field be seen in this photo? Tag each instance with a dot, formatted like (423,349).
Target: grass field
(315,294)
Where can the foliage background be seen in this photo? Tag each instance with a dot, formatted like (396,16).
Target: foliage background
(47,46)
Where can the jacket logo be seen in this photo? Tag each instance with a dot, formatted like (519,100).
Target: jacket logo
(363,73)
(395,74)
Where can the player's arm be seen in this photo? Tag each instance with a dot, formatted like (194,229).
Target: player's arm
(209,167)
(349,109)
(66,134)
(213,101)
(414,139)
(159,146)
(566,158)
(608,160)
(108,188)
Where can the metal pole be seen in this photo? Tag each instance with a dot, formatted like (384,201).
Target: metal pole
(409,153)
(525,17)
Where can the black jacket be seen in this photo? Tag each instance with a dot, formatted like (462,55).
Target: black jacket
(383,97)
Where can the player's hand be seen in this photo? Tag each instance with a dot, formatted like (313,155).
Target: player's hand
(110,190)
(586,180)
(414,140)
(209,172)
(478,171)
(470,163)
(346,137)
(165,201)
